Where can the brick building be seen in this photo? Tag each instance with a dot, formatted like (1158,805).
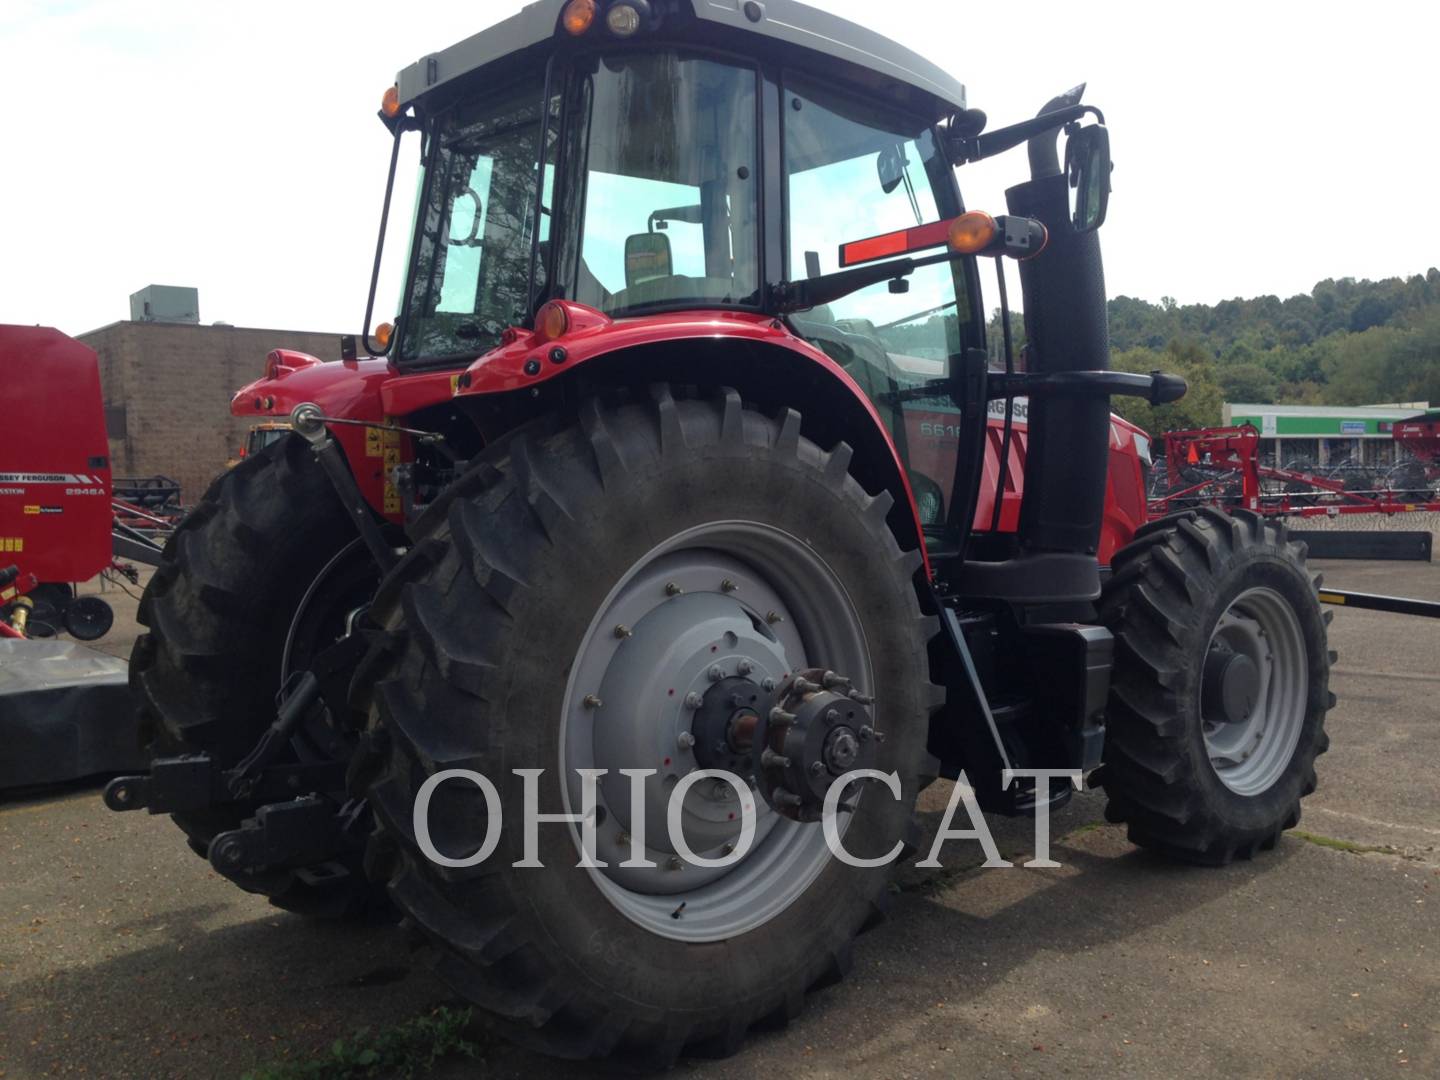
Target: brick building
(167,388)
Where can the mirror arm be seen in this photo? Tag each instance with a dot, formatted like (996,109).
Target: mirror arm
(966,150)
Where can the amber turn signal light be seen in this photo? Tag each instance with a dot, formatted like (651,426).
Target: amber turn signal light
(971,233)
(551,321)
(390,102)
(578,16)
(383,333)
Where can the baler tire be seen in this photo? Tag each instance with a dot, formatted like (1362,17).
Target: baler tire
(218,610)
(481,621)
(1169,590)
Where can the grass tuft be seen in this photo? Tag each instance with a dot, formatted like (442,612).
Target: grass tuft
(404,1050)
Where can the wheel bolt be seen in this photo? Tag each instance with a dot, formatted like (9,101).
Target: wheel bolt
(771,760)
(816,768)
(773,617)
(674,863)
(623,631)
(671,589)
(744,667)
(728,586)
(727,848)
(716,674)
(592,702)
(685,740)
(692,700)
(767,684)
(780,718)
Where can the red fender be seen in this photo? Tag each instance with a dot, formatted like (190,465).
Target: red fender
(369,390)
(527,358)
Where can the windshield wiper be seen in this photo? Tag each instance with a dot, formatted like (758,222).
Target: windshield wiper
(787,296)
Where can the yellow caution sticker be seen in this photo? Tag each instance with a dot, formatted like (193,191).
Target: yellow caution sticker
(374,442)
(12,543)
(1331,598)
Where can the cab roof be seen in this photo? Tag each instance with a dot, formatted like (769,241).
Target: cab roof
(785,22)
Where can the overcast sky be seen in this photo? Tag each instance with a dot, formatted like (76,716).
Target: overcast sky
(1259,147)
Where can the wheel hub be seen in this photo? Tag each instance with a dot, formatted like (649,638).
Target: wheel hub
(817,730)
(725,722)
(1231,686)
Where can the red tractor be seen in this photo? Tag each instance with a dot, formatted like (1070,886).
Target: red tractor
(682,459)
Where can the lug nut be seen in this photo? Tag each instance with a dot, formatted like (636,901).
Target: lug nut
(771,760)
(863,699)
(781,797)
(674,863)
(592,702)
(685,740)
(817,768)
(671,589)
(835,682)
(780,718)
(744,667)
(728,586)
(767,684)
(693,700)
(715,673)
(773,617)
(832,715)
(623,631)
(805,686)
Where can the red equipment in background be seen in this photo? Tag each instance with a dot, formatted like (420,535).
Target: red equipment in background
(1221,467)
(55,484)
(1420,435)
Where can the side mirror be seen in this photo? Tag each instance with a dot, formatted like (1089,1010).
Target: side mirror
(890,167)
(647,257)
(1087,167)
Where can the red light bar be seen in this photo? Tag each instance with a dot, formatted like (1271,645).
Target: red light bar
(888,245)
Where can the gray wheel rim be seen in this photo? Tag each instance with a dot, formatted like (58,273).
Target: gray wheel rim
(1249,756)
(721,595)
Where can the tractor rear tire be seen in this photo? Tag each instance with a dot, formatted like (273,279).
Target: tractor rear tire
(1220,686)
(220,609)
(512,589)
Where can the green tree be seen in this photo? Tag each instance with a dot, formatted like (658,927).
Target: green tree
(1247,382)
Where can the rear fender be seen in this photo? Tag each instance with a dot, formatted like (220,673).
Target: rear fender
(757,355)
(366,390)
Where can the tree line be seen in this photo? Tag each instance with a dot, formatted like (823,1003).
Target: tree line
(1346,342)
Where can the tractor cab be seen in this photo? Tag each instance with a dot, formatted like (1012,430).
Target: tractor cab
(636,161)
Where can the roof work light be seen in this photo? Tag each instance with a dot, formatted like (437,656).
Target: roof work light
(626,17)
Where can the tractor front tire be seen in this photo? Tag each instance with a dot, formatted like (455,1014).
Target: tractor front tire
(268,539)
(585,577)
(1220,686)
